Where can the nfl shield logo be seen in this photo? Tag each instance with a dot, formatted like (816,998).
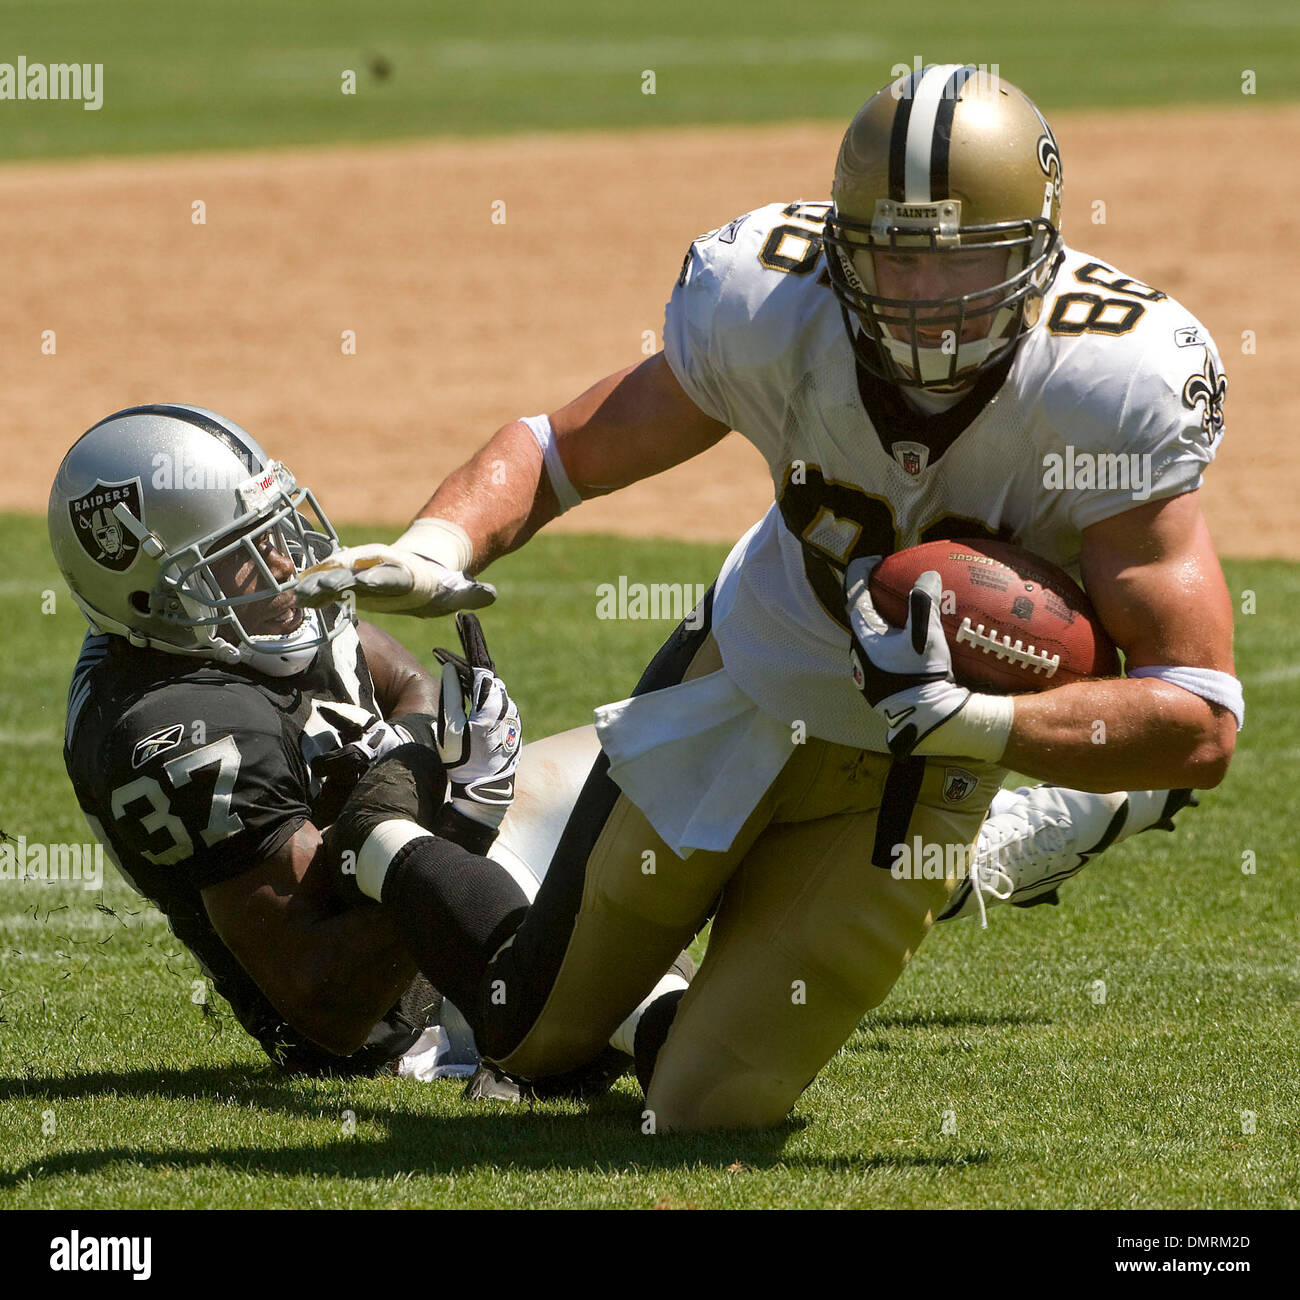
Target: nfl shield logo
(912,456)
(99,530)
(958,784)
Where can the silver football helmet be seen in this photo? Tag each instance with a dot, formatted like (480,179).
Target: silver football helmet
(166,521)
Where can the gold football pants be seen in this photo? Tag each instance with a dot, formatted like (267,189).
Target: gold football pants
(808,934)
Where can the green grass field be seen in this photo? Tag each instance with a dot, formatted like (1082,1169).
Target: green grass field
(993,1076)
(251,73)
(1051,1098)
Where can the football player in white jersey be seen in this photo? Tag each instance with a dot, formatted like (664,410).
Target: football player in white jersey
(920,358)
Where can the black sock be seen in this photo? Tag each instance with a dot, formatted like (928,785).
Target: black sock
(652,1032)
(453,909)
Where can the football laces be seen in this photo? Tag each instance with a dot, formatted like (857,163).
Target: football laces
(1002,647)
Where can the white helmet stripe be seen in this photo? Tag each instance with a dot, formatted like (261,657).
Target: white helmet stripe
(926,97)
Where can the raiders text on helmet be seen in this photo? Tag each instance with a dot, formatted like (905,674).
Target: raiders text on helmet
(944,161)
(148,500)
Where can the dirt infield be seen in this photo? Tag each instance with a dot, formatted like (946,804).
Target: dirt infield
(462,322)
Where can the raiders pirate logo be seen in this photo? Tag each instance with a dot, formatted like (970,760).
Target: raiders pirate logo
(1209,387)
(99,530)
(958,784)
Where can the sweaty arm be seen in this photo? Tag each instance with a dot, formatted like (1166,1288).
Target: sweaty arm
(1155,581)
(329,969)
(629,426)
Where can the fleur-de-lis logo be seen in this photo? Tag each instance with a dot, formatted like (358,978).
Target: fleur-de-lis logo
(1049,158)
(1209,387)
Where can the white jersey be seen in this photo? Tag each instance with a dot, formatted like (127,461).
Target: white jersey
(1113,399)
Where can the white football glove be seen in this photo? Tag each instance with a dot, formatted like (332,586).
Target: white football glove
(419,574)
(337,772)
(367,741)
(479,748)
(906,675)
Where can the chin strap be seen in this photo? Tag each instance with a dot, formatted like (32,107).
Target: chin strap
(285,659)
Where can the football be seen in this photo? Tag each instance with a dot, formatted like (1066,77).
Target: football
(1014,621)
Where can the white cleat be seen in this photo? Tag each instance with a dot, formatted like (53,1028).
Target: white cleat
(1037,837)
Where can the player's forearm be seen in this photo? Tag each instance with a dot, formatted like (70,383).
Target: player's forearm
(501,496)
(356,970)
(417,694)
(628,426)
(1130,734)
(402,683)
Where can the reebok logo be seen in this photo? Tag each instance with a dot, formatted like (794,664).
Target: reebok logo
(77,1254)
(158,743)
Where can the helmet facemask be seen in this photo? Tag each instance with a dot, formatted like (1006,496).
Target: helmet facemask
(193,591)
(940,342)
(176,531)
(940,165)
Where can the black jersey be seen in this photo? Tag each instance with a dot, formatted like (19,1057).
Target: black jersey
(191,773)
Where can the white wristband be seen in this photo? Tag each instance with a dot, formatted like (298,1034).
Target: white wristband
(1219,688)
(438,540)
(980,730)
(565,493)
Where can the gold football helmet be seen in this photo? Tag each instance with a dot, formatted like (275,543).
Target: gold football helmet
(943,234)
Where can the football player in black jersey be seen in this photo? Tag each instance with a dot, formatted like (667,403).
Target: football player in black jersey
(214,730)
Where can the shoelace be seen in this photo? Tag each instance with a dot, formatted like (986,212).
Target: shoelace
(986,878)
(1051,838)
(991,876)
